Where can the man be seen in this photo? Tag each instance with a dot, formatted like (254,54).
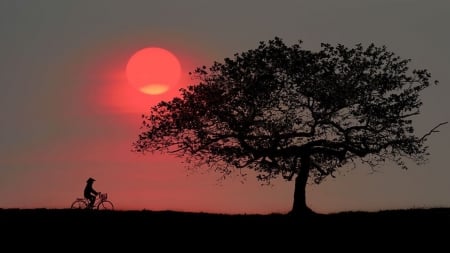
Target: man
(89,192)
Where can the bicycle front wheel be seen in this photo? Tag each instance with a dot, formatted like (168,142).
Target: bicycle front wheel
(105,205)
(79,204)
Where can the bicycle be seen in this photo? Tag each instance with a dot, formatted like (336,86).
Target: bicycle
(101,203)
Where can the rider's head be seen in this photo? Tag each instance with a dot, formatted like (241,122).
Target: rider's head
(90,180)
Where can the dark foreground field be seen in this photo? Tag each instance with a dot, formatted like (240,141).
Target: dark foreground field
(171,230)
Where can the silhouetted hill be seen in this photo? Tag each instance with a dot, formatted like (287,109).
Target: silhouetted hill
(172,229)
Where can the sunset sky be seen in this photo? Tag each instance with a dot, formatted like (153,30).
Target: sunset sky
(69,113)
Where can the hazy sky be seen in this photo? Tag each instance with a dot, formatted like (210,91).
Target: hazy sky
(68,113)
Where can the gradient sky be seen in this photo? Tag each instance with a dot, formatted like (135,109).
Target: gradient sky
(68,113)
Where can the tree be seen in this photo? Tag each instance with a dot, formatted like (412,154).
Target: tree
(285,111)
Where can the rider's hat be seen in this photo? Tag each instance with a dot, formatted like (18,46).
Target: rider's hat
(90,180)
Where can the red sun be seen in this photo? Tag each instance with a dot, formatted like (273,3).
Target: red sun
(153,70)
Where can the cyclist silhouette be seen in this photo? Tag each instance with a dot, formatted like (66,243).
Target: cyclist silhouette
(89,192)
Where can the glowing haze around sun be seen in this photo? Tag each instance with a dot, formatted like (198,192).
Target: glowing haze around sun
(153,70)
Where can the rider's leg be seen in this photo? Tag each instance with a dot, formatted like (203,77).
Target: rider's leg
(91,201)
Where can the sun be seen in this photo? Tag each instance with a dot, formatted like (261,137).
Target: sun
(153,70)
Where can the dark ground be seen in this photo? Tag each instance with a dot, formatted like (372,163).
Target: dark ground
(169,230)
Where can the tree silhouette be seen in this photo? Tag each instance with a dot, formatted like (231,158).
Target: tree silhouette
(284,111)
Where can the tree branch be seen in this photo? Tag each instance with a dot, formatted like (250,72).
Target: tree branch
(432,131)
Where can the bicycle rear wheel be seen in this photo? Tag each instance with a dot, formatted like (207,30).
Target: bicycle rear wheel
(105,205)
(79,204)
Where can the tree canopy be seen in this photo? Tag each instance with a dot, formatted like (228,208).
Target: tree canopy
(286,111)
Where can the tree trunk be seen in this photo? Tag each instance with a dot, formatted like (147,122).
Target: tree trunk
(299,207)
